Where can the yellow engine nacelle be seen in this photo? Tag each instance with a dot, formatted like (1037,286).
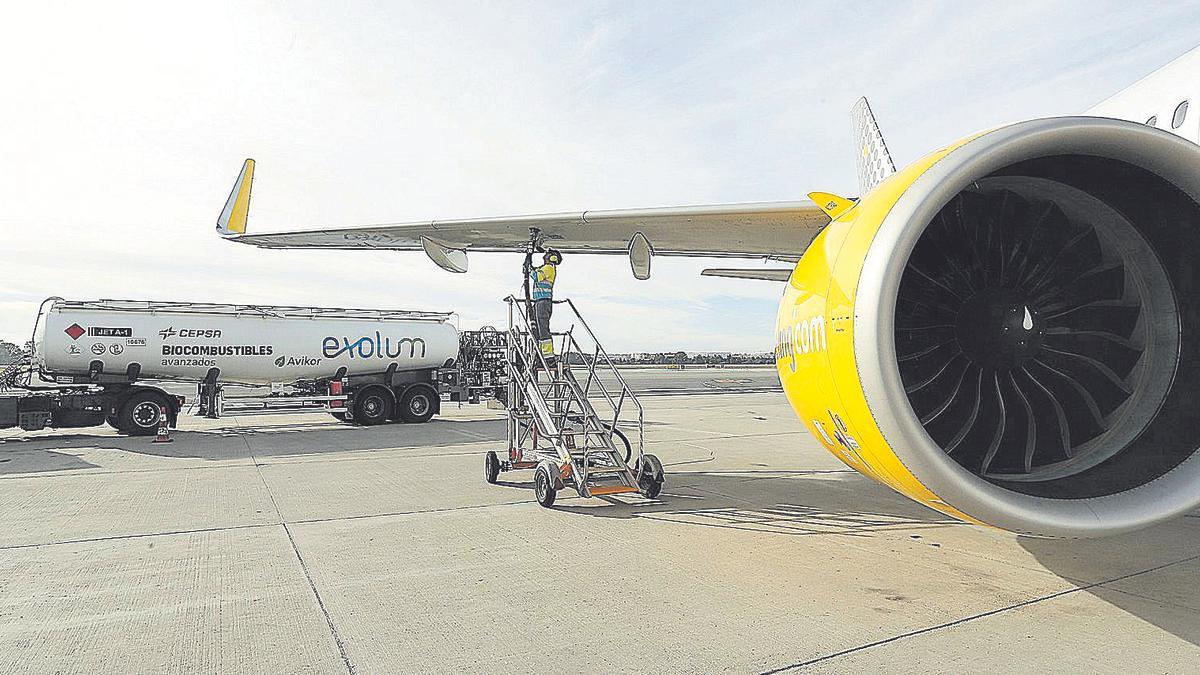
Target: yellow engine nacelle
(1008,330)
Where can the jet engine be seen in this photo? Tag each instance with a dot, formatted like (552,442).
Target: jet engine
(1008,330)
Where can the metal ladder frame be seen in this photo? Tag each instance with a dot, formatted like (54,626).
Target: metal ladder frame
(552,416)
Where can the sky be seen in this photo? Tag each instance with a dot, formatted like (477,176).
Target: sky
(124,126)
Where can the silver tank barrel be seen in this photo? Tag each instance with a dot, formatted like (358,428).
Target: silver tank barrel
(251,344)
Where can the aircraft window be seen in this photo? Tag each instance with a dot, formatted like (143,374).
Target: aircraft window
(1180,114)
(1152,122)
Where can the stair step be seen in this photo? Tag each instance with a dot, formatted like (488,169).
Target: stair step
(596,454)
(591,470)
(611,489)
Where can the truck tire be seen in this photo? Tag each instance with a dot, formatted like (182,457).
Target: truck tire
(373,405)
(113,421)
(417,405)
(139,414)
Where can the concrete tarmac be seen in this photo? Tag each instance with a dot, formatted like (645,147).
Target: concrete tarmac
(294,543)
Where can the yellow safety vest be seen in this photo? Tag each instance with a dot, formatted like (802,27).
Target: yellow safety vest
(541,282)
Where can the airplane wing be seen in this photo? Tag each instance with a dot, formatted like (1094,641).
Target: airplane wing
(775,230)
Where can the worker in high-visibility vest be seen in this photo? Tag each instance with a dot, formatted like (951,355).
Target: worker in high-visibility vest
(541,291)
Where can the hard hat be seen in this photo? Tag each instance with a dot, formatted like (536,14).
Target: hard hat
(553,256)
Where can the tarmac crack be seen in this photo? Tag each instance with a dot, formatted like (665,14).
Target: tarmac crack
(337,637)
(974,617)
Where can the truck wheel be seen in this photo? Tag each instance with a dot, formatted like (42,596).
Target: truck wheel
(416,405)
(139,415)
(372,406)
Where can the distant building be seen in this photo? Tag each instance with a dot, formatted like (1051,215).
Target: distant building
(694,358)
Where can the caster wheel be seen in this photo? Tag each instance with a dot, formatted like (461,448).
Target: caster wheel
(543,485)
(491,467)
(651,480)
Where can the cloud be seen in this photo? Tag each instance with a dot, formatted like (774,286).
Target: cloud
(125,133)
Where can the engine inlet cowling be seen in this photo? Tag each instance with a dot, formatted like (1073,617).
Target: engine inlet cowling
(1028,327)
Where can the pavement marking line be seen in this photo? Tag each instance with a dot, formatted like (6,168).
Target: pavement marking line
(444,509)
(966,619)
(364,455)
(721,391)
(718,436)
(741,477)
(472,434)
(69,473)
(337,638)
(223,528)
(136,535)
(285,460)
(1159,601)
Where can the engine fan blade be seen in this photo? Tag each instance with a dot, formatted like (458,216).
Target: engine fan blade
(1113,316)
(1102,384)
(1060,415)
(927,351)
(1025,233)
(1001,423)
(969,424)
(1104,283)
(1118,353)
(921,384)
(940,409)
(1083,413)
(1081,253)
(1030,424)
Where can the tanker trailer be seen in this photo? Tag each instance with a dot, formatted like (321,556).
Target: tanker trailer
(374,366)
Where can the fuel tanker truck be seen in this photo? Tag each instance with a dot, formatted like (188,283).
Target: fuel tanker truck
(99,361)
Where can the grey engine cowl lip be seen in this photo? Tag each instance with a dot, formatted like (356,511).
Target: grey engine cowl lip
(1170,495)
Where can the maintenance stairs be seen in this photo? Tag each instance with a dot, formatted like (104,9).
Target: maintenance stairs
(565,422)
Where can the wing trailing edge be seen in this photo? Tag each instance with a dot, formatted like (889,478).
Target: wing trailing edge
(780,275)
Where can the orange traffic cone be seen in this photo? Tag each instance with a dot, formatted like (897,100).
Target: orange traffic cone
(164,433)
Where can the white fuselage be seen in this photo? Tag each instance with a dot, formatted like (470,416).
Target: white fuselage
(1167,99)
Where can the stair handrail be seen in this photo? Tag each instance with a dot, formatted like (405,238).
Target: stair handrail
(523,341)
(626,390)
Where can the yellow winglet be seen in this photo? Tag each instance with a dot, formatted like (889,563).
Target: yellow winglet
(831,204)
(237,207)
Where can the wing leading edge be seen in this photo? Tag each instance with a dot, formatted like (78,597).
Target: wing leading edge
(773,230)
